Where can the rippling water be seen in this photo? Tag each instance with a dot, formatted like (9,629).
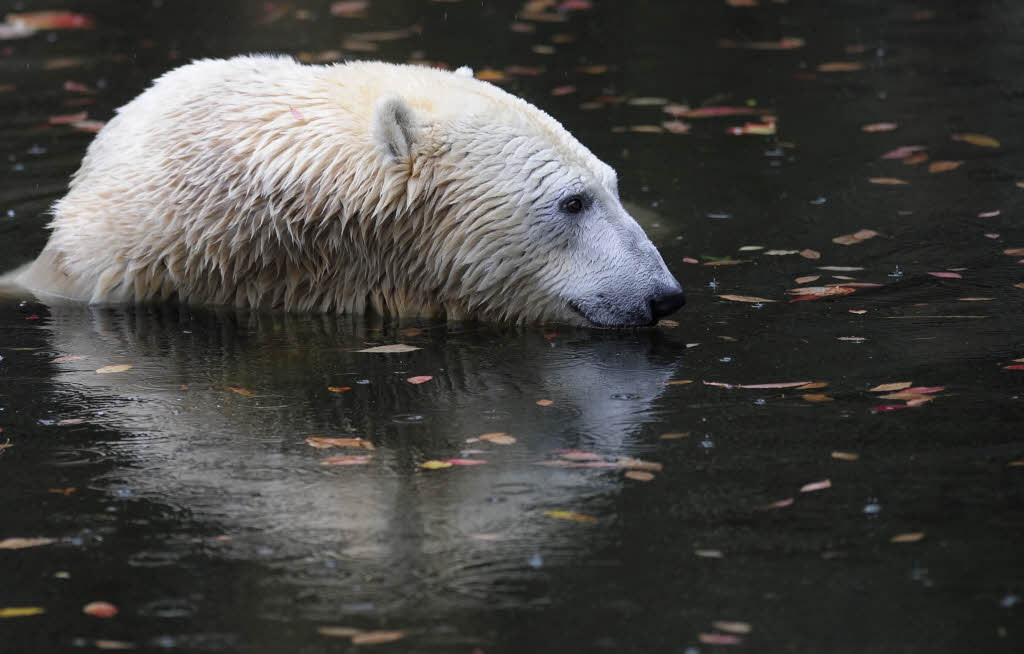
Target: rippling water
(183,490)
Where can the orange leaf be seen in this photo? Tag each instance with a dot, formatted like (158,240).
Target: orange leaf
(943,166)
(545,402)
(891,181)
(744,298)
(240,391)
(100,609)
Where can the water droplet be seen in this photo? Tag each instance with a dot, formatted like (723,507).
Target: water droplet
(536,561)
(872,508)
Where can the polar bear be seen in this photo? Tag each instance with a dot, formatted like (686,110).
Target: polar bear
(259,182)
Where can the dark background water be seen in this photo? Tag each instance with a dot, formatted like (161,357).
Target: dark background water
(206,518)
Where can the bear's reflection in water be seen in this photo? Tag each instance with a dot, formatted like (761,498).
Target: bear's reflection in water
(183,437)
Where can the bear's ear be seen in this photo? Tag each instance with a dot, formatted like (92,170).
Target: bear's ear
(394,126)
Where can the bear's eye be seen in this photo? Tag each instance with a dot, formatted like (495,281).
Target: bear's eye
(573,204)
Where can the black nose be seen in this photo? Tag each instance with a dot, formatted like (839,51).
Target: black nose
(664,304)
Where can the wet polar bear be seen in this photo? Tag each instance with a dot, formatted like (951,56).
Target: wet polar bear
(260,182)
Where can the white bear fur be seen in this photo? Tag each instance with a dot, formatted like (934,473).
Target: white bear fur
(260,182)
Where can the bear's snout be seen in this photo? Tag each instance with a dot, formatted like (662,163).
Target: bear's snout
(666,302)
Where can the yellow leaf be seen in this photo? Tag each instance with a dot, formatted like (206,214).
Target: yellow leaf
(639,475)
(817,397)
(943,166)
(498,438)
(911,537)
(744,298)
(976,139)
(377,637)
(339,389)
(893,386)
(338,632)
(570,515)
(435,465)
(118,368)
(20,611)
(22,543)
(674,436)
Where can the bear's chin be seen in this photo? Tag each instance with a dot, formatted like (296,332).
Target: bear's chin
(603,322)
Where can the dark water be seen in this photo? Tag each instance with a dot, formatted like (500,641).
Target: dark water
(203,515)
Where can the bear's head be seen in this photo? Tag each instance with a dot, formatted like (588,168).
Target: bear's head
(508,217)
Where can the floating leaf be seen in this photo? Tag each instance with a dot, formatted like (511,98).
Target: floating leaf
(677,127)
(810,254)
(976,139)
(821,291)
(121,367)
(347,460)
(780,504)
(915,159)
(890,181)
(570,515)
(943,166)
(807,278)
(639,475)
(780,253)
(947,275)
(1014,252)
(241,391)
(753,129)
(841,268)
(435,465)
(881,408)
(390,349)
(811,386)
(498,438)
(708,112)
(103,643)
(22,543)
(840,66)
(872,128)
(679,382)
(856,237)
(671,436)
(816,397)
(324,442)
(377,637)
(420,379)
(339,389)
(709,554)
(664,322)
(719,639)
(903,152)
(816,486)
(545,402)
(910,537)
(845,456)
(100,609)
(20,611)
(892,386)
(732,626)
(50,20)
(744,298)
(466,462)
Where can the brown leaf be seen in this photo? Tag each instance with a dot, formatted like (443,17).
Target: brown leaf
(807,278)
(240,391)
(816,397)
(821,290)
(890,181)
(811,386)
(339,389)
(840,66)
(976,139)
(324,442)
(671,436)
(377,637)
(679,382)
(943,166)
(910,537)
(879,127)
(892,386)
(845,456)
(810,254)
(744,298)
(571,515)
(22,543)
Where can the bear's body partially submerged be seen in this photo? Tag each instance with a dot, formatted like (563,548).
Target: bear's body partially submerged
(259,182)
